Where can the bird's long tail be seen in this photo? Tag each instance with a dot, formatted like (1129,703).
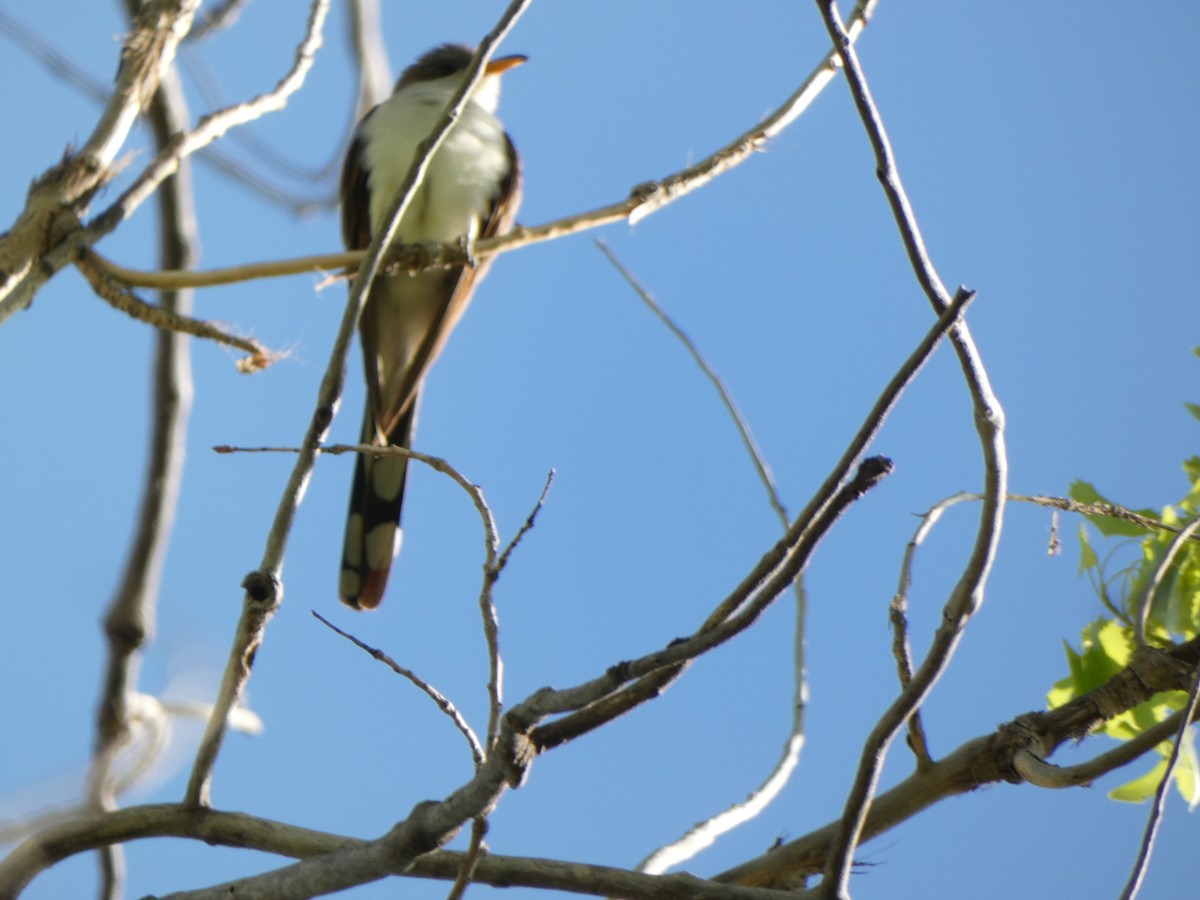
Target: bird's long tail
(373,524)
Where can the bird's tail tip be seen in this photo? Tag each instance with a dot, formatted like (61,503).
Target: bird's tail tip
(363,590)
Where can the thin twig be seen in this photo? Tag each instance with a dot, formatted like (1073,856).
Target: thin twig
(706,833)
(527,525)
(440,700)
(731,407)
(1106,510)
(493,567)
(898,618)
(167,319)
(264,591)
(437,463)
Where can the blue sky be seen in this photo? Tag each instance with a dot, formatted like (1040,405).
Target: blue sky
(1050,158)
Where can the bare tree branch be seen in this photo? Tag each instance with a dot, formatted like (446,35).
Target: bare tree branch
(129,623)
(983,760)
(989,422)
(527,525)
(42,240)
(240,830)
(1038,772)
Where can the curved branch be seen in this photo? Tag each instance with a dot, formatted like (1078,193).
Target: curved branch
(967,594)
(705,833)
(166,318)
(643,200)
(1035,770)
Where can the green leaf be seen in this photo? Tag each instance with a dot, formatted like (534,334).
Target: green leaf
(1186,775)
(1140,788)
(1087,556)
(1085,492)
(1191,468)
(1183,596)
(1063,692)
(1117,644)
(1104,649)
(1193,409)
(1187,771)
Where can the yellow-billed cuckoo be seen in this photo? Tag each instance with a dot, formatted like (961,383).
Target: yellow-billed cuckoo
(471,190)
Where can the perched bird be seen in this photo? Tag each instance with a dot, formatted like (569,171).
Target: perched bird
(471,190)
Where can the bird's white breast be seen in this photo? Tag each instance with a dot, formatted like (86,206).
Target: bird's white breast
(463,178)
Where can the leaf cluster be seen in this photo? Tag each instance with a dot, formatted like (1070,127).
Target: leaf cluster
(1139,579)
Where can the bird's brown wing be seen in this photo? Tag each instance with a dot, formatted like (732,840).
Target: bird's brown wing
(454,285)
